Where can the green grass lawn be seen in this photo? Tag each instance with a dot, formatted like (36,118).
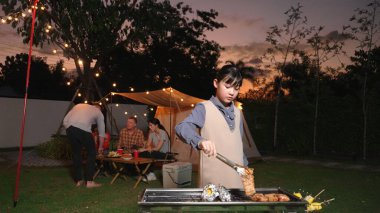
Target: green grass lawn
(52,190)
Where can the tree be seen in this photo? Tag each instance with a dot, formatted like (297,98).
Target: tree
(44,83)
(88,31)
(323,49)
(365,29)
(284,41)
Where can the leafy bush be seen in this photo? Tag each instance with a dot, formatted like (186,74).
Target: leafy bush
(58,148)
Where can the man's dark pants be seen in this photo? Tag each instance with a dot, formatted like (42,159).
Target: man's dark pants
(79,139)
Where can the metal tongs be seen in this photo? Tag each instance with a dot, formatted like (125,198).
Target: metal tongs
(238,168)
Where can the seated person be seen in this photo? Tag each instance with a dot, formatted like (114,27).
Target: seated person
(158,141)
(107,138)
(130,136)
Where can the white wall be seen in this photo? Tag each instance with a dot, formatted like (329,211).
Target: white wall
(44,118)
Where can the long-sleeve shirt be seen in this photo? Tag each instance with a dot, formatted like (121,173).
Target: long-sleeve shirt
(83,116)
(187,129)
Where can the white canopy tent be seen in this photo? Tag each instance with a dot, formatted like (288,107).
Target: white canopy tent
(174,106)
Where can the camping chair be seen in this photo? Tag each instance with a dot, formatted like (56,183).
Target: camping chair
(169,158)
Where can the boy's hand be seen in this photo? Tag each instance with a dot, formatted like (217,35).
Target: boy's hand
(208,148)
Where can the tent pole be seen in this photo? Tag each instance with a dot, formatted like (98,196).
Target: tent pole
(18,171)
(170,121)
(111,131)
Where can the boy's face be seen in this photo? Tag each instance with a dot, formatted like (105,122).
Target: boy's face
(226,93)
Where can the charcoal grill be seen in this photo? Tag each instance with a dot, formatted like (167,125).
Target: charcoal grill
(189,200)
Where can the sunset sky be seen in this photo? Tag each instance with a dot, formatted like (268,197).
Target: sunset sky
(247,22)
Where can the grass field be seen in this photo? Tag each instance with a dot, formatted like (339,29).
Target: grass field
(52,190)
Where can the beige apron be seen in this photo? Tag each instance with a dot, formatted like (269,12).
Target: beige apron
(228,143)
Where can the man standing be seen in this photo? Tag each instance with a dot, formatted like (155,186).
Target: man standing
(78,129)
(131,137)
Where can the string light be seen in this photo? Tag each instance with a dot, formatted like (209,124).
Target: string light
(181,99)
(114,84)
(63,69)
(192,105)
(112,93)
(68,83)
(47,30)
(151,109)
(144,114)
(163,89)
(117,105)
(80,62)
(54,51)
(85,102)
(3,21)
(125,113)
(135,116)
(106,99)
(147,92)
(79,94)
(96,74)
(132,89)
(66,45)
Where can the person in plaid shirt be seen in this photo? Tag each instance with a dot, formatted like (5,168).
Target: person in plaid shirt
(131,137)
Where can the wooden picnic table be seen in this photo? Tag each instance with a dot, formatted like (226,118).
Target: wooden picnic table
(119,165)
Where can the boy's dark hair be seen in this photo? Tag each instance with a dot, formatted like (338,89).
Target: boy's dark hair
(133,118)
(233,74)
